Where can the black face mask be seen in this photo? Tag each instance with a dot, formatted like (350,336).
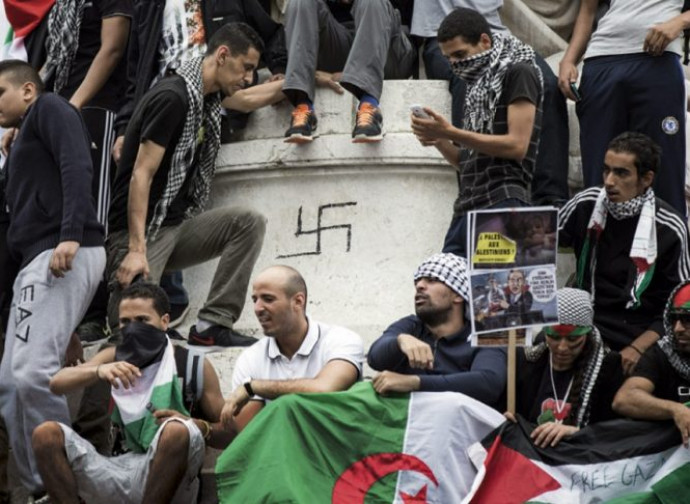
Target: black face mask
(142,344)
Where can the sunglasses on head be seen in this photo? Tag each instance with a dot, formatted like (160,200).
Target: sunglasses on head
(571,333)
(682,317)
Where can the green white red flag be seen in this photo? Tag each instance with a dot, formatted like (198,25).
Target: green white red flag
(354,447)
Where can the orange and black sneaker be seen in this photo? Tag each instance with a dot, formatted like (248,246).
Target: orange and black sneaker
(369,124)
(302,125)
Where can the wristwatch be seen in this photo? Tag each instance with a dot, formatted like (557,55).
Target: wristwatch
(248,387)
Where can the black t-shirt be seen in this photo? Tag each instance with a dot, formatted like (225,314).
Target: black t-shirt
(160,118)
(545,400)
(113,90)
(486,180)
(654,366)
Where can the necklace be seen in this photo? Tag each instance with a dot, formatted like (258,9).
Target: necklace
(560,405)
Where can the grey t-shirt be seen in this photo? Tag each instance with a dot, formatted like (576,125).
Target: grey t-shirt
(428,14)
(624,27)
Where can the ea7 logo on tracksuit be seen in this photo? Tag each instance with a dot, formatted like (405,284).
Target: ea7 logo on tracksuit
(26,297)
(670,125)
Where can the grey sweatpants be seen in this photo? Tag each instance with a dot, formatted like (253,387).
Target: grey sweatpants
(235,234)
(45,312)
(377,47)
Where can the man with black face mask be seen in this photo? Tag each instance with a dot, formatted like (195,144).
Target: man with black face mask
(431,351)
(166,422)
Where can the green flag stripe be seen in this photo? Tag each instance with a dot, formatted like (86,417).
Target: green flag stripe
(282,451)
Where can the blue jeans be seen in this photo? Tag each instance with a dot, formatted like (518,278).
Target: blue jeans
(456,237)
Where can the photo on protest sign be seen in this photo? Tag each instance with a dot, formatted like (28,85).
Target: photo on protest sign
(523,337)
(513,298)
(515,237)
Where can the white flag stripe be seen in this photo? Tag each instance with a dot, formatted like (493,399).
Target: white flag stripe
(466,420)
(132,402)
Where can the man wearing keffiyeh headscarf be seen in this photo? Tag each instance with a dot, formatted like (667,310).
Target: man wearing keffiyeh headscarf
(659,388)
(430,351)
(494,156)
(631,247)
(157,219)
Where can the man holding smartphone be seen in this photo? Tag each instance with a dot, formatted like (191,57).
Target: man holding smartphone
(495,151)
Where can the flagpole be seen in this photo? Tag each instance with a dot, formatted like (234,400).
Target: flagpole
(512,342)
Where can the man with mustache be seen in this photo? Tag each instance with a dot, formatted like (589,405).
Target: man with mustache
(631,247)
(660,385)
(430,351)
(298,355)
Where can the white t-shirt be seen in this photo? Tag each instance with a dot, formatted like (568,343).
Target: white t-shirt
(183,37)
(322,344)
(428,14)
(624,27)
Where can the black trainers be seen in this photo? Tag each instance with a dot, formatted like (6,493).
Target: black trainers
(92,333)
(368,128)
(219,336)
(302,125)
(177,314)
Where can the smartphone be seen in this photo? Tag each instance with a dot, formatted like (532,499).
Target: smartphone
(418,111)
(575,91)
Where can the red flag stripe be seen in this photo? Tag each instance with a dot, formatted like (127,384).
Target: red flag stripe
(25,15)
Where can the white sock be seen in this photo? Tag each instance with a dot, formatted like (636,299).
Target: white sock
(202,325)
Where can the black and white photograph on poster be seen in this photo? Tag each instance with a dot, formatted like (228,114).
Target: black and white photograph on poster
(513,298)
(514,238)
(523,337)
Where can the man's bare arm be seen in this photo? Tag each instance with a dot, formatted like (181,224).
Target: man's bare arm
(567,68)
(212,404)
(336,375)
(255,97)
(114,35)
(146,165)
(512,145)
(635,399)
(83,375)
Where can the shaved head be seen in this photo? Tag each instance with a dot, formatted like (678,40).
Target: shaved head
(287,278)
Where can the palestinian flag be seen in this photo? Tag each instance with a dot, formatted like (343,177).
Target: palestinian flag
(621,461)
(354,447)
(158,388)
(24,16)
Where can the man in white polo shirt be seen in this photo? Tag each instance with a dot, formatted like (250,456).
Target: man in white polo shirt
(299,355)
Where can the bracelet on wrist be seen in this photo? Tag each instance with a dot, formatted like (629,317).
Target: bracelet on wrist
(206,431)
(631,345)
(248,388)
(98,375)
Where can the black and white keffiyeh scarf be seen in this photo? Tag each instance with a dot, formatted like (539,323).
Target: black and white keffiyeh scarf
(64,25)
(201,130)
(679,362)
(484,73)
(575,308)
(643,251)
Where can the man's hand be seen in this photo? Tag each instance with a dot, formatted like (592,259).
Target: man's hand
(388,381)
(550,433)
(117,149)
(427,130)
(63,255)
(509,416)
(74,355)
(7,139)
(329,80)
(276,77)
(681,416)
(118,373)
(629,358)
(418,353)
(567,74)
(233,405)
(661,35)
(134,263)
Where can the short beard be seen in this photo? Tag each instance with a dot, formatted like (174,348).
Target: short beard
(433,317)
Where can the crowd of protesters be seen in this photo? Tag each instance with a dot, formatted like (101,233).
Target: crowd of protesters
(115,111)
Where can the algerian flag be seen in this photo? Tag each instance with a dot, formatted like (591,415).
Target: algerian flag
(157,388)
(23,16)
(621,461)
(345,447)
